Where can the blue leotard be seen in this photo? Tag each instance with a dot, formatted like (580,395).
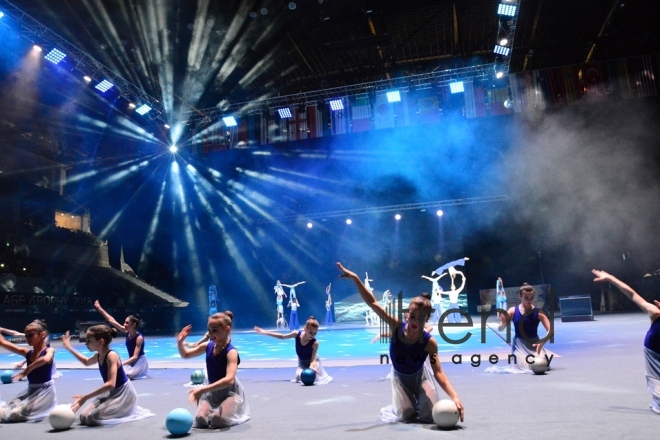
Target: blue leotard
(40,374)
(121,375)
(216,365)
(407,358)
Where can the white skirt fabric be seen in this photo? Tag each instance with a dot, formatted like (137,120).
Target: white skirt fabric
(322,376)
(520,349)
(653,378)
(413,396)
(116,406)
(33,404)
(228,407)
(139,369)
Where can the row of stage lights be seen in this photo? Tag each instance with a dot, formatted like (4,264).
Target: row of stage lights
(397,217)
(56,56)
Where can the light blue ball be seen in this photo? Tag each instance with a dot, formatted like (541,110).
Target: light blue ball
(197,377)
(308,376)
(6,376)
(179,421)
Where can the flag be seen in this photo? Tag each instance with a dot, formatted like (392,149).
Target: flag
(475,102)
(428,109)
(383,113)
(314,121)
(361,114)
(277,129)
(298,124)
(339,121)
(496,98)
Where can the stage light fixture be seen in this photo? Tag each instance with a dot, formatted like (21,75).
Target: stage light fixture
(167,126)
(104,86)
(173,149)
(456,87)
(336,104)
(501,50)
(310,225)
(143,109)
(87,78)
(285,113)
(393,96)
(36,48)
(349,221)
(131,105)
(397,217)
(439,213)
(2,14)
(508,10)
(55,56)
(508,103)
(229,121)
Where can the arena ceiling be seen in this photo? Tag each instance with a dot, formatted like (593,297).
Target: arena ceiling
(198,54)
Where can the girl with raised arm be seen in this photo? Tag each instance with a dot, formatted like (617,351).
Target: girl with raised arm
(221,399)
(116,400)
(306,348)
(652,339)
(39,398)
(413,380)
(136,366)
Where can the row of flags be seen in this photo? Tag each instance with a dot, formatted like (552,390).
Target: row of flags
(525,91)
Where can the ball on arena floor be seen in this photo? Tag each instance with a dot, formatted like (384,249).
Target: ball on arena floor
(6,376)
(540,365)
(179,421)
(197,377)
(445,414)
(61,417)
(308,376)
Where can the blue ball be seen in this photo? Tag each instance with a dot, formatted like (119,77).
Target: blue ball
(197,377)
(308,376)
(179,421)
(6,376)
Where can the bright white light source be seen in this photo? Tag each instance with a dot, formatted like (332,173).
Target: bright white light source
(349,221)
(393,96)
(397,217)
(173,149)
(229,121)
(336,104)
(104,86)
(284,112)
(309,225)
(456,87)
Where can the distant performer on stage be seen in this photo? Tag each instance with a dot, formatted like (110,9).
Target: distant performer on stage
(454,292)
(279,291)
(136,366)
(213,300)
(387,297)
(367,282)
(500,295)
(306,348)
(528,344)
(293,317)
(436,297)
(329,321)
(652,339)
(292,288)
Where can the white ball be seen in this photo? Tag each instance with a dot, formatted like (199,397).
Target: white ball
(61,417)
(540,365)
(445,414)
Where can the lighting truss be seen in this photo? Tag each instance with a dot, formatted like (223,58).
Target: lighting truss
(422,81)
(350,213)
(32,30)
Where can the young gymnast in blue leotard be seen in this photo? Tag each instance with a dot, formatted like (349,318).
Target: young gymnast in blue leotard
(221,399)
(39,398)
(306,348)
(136,366)
(115,401)
(413,380)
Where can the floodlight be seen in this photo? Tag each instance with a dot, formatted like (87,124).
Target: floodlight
(336,104)
(104,86)
(143,109)
(456,87)
(501,50)
(284,112)
(508,10)
(229,121)
(55,56)
(393,96)
(173,149)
